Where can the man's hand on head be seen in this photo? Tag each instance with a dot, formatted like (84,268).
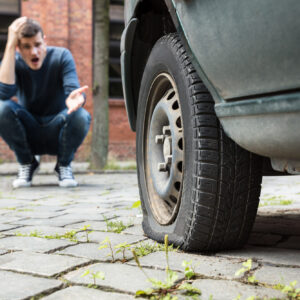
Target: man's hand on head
(14,30)
(76,99)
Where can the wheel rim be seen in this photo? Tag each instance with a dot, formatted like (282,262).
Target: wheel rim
(164,149)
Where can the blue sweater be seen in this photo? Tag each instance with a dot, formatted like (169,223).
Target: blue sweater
(43,92)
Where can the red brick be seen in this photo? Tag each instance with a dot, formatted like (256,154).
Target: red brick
(68,23)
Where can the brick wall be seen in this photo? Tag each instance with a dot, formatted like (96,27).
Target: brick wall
(68,23)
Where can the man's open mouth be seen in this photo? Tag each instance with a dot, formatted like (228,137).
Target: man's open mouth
(35,60)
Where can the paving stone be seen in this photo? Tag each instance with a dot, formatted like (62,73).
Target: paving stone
(80,292)
(224,289)
(130,220)
(39,264)
(41,230)
(275,275)
(10,204)
(292,242)
(46,208)
(5,227)
(261,239)
(14,286)
(267,255)
(91,251)
(94,225)
(115,238)
(126,213)
(111,194)
(271,224)
(36,214)
(102,225)
(81,217)
(32,244)
(92,210)
(117,276)
(49,222)
(137,230)
(204,265)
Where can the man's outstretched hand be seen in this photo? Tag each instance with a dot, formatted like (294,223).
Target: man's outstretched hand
(76,99)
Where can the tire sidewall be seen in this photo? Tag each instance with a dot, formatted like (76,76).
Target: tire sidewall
(165,58)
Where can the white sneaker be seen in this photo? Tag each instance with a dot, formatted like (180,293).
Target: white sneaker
(25,175)
(65,176)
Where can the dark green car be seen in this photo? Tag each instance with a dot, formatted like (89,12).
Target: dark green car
(212,90)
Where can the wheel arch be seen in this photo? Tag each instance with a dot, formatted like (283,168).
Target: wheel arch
(150,21)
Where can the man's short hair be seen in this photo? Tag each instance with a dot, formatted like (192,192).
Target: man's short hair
(30,29)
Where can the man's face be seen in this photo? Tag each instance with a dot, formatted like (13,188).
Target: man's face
(33,50)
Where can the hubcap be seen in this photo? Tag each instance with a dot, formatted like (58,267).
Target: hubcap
(164,147)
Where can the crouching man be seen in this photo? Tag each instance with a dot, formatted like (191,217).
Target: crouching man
(48,118)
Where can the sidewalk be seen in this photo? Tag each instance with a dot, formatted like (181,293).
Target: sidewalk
(48,252)
(78,168)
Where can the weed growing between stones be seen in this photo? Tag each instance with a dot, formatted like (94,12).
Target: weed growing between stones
(106,243)
(291,292)
(136,204)
(115,226)
(94,276)
(274,200)
(120,248)
(189,272)
(164,290)
(145,248)
(87,232)
(18,209)
(247,265)
(69,235)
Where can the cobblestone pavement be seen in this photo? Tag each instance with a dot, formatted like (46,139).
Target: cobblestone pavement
(45,248)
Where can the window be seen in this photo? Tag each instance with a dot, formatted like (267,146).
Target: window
(9,11)
(116,28)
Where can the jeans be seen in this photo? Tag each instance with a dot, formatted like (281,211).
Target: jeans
(28,135)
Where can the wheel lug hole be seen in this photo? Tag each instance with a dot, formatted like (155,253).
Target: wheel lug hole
(159,139)
(166,130)
(162,167)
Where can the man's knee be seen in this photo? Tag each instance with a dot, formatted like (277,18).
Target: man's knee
(80,119)
(6,111)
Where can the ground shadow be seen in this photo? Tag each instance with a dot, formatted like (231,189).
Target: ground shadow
(280,229)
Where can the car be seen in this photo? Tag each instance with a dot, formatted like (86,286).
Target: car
(212,90)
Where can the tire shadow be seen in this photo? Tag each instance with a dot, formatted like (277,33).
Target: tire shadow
(280,229)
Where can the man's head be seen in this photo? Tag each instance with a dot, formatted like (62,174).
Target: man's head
(32,45)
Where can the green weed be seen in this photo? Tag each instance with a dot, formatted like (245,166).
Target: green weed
(120,248)
(115,226)
(145,248)
(274,200)
(87,231)
(165,289)
(106,243)
(94,275)
(69,235)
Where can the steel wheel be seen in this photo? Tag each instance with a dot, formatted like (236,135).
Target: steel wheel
(164,149)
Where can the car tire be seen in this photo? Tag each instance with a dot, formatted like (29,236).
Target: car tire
(196,184)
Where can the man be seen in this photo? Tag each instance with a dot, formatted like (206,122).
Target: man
(48,118)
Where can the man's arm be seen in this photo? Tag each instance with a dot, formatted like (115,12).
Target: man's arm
(74,93)
(7,68)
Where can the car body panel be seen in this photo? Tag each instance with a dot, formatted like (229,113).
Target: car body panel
(245,47)
(247,54)
(268,126)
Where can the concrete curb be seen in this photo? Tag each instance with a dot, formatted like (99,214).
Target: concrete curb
(47,168)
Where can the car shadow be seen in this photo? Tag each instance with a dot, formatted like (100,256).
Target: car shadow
(280,229)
